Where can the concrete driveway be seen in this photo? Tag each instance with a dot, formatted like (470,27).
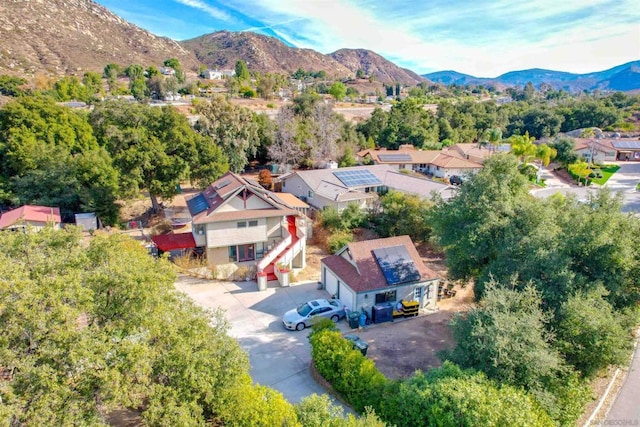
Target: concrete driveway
(279,358)
(625,181)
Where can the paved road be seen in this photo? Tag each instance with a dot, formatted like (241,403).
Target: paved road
(279,358)
(625,410)
(624,181)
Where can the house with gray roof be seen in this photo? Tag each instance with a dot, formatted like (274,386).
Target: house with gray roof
(360,185)
(379,272)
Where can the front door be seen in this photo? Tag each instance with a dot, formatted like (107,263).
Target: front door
(246,252)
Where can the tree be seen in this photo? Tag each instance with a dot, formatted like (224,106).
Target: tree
(326,130)
(265,179)
(545,154)
(285,150)
(111,73)
(360,73)
(565,150)
(338,91)
(49,156)
(177,67)
(398,214)
(469,227)
(151,147)
(134,72)
(242,71)
(591,334)
(450,396)
(348,158)
(93,83)
(506,338)
(114,335)
(11,86)
(522,146)
(230,127)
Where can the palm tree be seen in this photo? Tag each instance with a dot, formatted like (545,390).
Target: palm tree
(522,146)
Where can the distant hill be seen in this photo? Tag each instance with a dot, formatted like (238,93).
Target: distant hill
(375,65)
(623,77)
(223,49)
(73,36)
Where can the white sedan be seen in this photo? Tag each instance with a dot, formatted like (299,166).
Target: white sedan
(300,318)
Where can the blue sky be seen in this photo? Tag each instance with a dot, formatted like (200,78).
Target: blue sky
(482,38)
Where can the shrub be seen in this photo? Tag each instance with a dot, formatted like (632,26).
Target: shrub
(338,240)
(351,374)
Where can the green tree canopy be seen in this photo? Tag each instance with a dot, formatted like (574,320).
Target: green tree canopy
(232,128)
(338,90)
(153,148)
(242,71)
(49,156)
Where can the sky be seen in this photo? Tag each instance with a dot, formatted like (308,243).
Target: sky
(477,37)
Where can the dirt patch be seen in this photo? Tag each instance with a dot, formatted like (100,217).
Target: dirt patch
(401,347)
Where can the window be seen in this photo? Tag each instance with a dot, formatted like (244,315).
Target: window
(233,254)
(310,194)
(242,224)
(253,223)
(417,293)
(259,250)
(388,296)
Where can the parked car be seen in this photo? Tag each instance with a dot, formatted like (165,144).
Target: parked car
(456,180)
(300,318)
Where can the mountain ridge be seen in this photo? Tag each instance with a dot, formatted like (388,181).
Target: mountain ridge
(620,77)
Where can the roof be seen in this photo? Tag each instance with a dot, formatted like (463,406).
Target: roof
(367,275)
(604,145)
(290,200)
(419,186)
(30,213)
(168,242)
(315,177)
(405,155)
(204,207)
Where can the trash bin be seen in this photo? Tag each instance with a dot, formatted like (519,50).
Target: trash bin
(358,344)
(354,318)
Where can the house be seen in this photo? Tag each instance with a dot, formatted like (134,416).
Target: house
(238,223)
(379,271)
(595,150)
(36,217)
(440,164)
(359,185)
(608,150)
(217,74)
(475,153)
(167,71)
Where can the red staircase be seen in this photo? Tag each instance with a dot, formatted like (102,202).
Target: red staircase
(291,227)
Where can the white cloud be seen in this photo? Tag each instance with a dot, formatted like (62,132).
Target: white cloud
(206,8)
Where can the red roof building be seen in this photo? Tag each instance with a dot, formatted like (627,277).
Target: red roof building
(37,217)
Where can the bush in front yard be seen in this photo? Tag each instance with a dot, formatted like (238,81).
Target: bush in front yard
(351,374)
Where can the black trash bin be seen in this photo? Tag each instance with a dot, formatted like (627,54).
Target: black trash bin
(358,344)
(354,319)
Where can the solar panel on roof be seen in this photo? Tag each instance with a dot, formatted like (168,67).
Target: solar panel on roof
(223,184)
(357,178)
(396,264)
(197,204)
(632,145)
(394,157)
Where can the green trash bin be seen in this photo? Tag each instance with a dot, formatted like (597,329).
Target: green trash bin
(354,319)
(358,344)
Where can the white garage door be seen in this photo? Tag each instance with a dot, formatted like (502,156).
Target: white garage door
(346,296)
(330,282)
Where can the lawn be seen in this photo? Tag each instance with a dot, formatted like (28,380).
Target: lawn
(607,171)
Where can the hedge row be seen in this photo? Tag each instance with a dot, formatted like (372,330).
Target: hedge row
(447,396)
